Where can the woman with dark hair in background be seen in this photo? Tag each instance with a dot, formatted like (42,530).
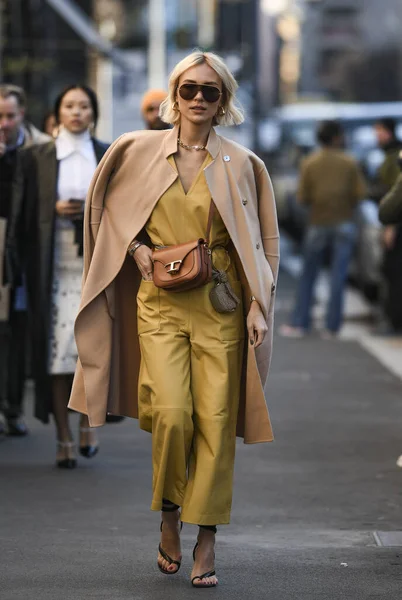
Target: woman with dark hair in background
(51,187)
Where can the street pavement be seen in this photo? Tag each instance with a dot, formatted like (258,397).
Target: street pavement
(316,515)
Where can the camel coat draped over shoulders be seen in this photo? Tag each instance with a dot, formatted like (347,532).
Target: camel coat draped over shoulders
(127,184)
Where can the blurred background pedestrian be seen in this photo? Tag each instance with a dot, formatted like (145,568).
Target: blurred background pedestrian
(54,179)
(388,171)
(49,125)
(390,212)
(15,133)
(150,106)
(331,185)
(391,281)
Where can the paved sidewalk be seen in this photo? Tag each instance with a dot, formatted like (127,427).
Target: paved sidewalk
(361,317)
(309,510)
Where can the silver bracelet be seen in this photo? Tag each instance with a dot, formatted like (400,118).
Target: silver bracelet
(133,247)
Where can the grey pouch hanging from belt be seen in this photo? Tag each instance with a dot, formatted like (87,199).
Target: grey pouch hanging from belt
(222,295)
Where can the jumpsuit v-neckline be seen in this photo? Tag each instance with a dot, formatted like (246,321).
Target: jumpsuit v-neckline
(191,360)
(204,164)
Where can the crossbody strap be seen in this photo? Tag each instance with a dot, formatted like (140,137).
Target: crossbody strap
(210,217)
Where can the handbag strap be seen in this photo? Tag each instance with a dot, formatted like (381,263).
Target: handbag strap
(210,217)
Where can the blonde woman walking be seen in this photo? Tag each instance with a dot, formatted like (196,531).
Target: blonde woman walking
(184,220)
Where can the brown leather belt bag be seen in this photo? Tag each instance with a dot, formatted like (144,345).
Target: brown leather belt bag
(185,266)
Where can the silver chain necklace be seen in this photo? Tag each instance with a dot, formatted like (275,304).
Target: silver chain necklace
(183,145)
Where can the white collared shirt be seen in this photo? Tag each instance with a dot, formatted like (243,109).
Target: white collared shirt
(77,164)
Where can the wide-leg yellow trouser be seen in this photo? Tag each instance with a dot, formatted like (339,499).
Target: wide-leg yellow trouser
(191,359)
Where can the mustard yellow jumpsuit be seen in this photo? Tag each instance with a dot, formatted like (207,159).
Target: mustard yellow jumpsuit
(191,359)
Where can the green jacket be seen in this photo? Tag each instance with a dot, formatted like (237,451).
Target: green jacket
(390,212)
(388,172)
(331,185)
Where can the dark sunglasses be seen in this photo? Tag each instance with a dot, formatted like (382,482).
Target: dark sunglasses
(210,93)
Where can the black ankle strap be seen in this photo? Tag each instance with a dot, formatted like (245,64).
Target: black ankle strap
(168,506)
(212,528)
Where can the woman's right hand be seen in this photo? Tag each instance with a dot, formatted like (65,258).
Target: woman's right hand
(69,208)
(143,258)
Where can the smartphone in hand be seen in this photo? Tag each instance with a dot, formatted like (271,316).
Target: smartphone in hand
(79,204)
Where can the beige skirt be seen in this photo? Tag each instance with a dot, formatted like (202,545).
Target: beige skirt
(66,293)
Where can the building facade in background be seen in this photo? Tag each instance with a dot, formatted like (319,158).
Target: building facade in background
(352,50)
(43,52)
(40,52)
(280,51)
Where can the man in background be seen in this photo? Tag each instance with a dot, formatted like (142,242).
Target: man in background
(390,212)
(385,178)
(14,134)
(388,172)
(150,105)
(331,185)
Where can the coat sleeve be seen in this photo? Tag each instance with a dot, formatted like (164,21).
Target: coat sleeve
(268,220)
(95,200)
(390,212)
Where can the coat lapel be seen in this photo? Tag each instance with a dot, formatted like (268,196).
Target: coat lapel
(159,175)
(222,184)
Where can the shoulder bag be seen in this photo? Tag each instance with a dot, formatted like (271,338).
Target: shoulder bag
(185,266)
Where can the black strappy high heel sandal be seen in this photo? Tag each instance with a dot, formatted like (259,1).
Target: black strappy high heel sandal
(208,573)
(89,450)
(169,507)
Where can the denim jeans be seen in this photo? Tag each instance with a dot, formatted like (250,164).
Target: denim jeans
(339,240)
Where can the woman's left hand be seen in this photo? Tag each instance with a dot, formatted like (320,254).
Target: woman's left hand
(256,325)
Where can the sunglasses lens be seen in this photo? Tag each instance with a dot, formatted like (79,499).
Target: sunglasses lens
(210,93)
(188,91)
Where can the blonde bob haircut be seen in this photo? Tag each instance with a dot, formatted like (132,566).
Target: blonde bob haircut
(233,112)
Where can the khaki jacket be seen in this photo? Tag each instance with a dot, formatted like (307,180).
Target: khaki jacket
(128,183)
(331,185)
(390,212)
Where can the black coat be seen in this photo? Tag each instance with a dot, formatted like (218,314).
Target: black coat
(8,165)
(7,169)
(30,246)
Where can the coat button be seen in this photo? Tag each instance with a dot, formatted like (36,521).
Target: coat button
(226,158)
(244,202)
(258,246)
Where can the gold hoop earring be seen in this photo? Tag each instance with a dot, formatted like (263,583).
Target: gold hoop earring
(221,111)
(175,105)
